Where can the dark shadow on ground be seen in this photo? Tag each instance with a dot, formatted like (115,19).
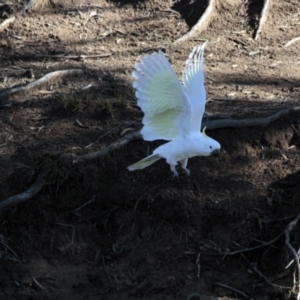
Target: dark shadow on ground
(134,3)
(191,11)
(254,13)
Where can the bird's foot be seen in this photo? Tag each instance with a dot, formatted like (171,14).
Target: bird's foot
(175,175)
(187,172)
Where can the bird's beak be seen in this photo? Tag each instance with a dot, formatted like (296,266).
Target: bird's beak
(215,152)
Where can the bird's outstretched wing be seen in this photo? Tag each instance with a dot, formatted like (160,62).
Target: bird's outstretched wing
(193,81)
(160,95)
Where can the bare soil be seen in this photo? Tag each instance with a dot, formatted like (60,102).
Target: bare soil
(98,231)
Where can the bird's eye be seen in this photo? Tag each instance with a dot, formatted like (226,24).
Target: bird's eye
(210,147)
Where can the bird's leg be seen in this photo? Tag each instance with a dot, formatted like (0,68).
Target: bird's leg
(183,165)
(175,173)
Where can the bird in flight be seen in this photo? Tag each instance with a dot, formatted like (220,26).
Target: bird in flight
(172,111)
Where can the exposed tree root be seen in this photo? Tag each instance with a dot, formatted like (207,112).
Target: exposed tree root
(233,123)
(266,279)
(75,158)
(26,195)
(72,157)
(202,23)
(262,18)
(48,78)
(286,232)
(264,244)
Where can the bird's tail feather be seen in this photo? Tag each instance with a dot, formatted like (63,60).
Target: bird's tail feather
(144,162)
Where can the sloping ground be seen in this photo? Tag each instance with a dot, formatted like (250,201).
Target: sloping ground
(98,231)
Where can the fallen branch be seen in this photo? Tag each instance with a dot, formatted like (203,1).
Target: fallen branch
(202,23)
(24,196)
(292,41)
(41,182)
(262,18)
(77,57)
(6,23)
(40,82)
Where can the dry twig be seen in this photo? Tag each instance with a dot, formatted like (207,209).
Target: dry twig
(104,135)
(38,284)
(255,247)
(85,204)
(230,288)
(202,23)
(293,251)
(262,18)
(12,253)
(6,23)
(292,41)
(63,248)
(40,82)
(263,276)
(155,187)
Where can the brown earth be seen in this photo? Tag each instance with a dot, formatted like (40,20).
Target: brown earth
(144,235)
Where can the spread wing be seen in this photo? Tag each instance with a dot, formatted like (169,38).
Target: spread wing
(160,95)
(193,81)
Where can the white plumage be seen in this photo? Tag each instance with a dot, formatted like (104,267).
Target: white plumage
(172,111)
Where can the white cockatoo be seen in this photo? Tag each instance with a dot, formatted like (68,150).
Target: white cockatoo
(173,111)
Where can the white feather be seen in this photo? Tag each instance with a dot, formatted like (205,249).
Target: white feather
(160,95)
(172,111)
(193,80)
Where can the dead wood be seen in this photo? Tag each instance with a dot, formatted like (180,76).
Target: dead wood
(202,23)
(292,41)
(6,23)
(262,18)
(47,79)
